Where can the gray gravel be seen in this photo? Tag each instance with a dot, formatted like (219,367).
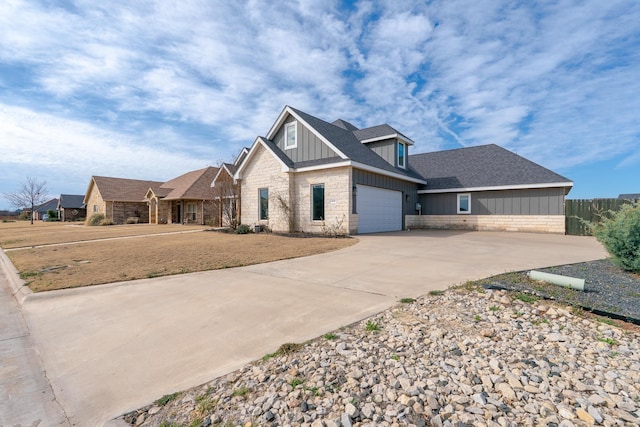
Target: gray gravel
(608,288)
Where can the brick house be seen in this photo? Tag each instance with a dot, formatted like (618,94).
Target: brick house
(119,199)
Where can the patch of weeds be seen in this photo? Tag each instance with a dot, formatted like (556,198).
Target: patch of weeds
(395,357)
(166,399)
(26,274)
(528,298)
(540,321)
(477,318)
(494,308)
(153,274)
(240,392)
(608,340)
(372,326)
(330,336)
(606,321)
(436,293)
(614,354)
(518,313)
(169,424)
(407,300)
(577,311)
(314,390)
(296,382)
(469,286)
(288,348)
(205,404)
(270,355)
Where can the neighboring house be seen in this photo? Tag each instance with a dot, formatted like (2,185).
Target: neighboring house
(39,211)
(633,196)
(71,207)
(120,200)
(310,175)
(488,188)
(227,193)
(188,198)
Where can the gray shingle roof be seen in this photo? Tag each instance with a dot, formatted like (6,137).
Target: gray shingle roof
(480,166)
(379,131)
(71,201)
(346,142)
(344,125)
(630,196)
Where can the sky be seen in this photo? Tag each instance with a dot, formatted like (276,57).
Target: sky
(153,89)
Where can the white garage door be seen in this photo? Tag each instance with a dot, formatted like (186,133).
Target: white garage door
(378,209)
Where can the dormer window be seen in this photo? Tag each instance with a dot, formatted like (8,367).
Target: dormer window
(290,135)
(402,155)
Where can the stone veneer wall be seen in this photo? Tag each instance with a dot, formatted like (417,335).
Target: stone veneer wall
(526,223)
(337,199)
(264,171)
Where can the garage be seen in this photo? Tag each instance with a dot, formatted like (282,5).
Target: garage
(378,209)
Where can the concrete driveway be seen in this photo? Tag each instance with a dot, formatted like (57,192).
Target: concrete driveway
(110,349)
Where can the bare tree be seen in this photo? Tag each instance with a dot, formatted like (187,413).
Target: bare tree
(227,194)
(31,194)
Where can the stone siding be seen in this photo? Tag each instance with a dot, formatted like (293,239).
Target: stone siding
(264,171)
(337,199)
(526,223)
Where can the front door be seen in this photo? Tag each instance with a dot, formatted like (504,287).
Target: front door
(179,219)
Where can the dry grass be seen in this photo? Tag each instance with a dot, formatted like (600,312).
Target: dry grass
(91,263)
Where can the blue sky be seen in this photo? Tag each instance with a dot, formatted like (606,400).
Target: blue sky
(153,89)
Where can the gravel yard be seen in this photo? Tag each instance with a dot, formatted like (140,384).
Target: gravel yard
(465,357)
(608,289)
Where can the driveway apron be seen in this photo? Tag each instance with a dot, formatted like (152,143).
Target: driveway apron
(113,348)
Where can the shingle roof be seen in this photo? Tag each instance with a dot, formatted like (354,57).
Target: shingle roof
(631,196)
(191,185)
(122,189)
(47,206)
(71,201)
(481,166)
(347,143)
(344,125)
(378,132)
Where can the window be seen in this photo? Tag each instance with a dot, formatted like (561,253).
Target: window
(191,211)
(464,203)
(290,135)
(95,208)
(317,202)
(264,203)
(402,155)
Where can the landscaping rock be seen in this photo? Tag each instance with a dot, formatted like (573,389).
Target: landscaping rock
(434,362)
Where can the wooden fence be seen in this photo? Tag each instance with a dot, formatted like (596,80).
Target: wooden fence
(578,212)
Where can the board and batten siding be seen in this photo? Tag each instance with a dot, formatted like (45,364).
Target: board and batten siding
(385,149)
(361,177)
(309,146)
(543,201)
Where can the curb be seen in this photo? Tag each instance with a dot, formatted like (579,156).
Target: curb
(19,289)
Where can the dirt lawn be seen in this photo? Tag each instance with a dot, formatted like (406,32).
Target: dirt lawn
(70,261)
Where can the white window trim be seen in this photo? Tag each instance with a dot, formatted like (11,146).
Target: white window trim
(295,133)
(458,198)
(404,157)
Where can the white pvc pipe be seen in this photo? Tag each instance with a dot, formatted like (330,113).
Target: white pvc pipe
(556,279)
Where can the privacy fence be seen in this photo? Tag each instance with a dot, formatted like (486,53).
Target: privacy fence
(579,212)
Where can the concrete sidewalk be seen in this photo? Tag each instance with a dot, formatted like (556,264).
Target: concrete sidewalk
(110,349)
(26,396)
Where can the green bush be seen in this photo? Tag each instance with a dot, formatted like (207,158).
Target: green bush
(620,235)
(243,229)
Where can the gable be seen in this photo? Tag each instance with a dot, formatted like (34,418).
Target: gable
(308,147)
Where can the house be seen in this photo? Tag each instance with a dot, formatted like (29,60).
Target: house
(120,200)
(310,175)
(71,207)
(40,210)
(632,196)
(488,188)
(188,198)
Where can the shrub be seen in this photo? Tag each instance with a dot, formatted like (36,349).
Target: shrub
(243,229)
(620,235)
(95,219)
